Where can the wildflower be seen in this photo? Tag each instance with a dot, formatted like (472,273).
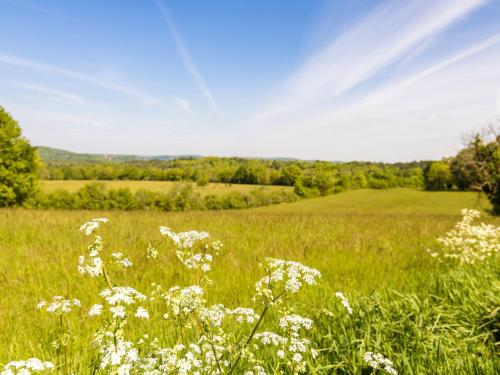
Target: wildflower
(244,315)
(95,310)
(26,367)
(121,260)
(183,300)
(122,294)
(118,354)
(94,266)
(295,323)
(194,249)
(59,305)
(270,338)
(142,313)
(344,301)
(213,315)
(184,240)
(291,275)
(89,227)
(470,243)
(378,361)
(118,311)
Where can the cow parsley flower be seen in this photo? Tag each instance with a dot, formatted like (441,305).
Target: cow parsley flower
(289,275)
(378,361)
(58,305)
(121,260)
(118,311)
(344,301)
(182,300)
(89,227)
(117,355)
(122,294)
(94,266)
(27,367)
(470,243)
(294,323)
(95,310)
(194,249)
(142,313)
(184,240)
(244,315)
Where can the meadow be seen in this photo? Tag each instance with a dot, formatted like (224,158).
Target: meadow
(158,186)
(369,244)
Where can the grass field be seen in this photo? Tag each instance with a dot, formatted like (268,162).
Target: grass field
(364,242)
(159,186)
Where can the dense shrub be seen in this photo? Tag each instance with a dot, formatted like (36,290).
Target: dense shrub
(95,196)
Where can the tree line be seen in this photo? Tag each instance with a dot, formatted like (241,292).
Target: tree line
(310,177)
(182,197)
(475,168)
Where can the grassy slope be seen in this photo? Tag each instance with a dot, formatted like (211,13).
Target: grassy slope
(362,241)
(161,186)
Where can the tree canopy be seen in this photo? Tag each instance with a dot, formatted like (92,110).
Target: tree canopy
(18,163)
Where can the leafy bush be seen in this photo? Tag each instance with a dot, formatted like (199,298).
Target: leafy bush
(95,196)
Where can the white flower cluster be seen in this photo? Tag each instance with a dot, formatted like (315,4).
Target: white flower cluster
(119,298)
(378,361)
(89,227)
(290,349)
(344,301)
(215,315)
(294,323)
(290,275)
(26,367)
(181,301)
(58,305)
(94,266)
(194,249)
(184,240)
(121,260)
(214,347)
(117,356)
(470,243)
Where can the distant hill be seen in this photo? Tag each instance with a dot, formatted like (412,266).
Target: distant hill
(49,154)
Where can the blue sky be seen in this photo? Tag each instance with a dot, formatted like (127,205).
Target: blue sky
(333,80)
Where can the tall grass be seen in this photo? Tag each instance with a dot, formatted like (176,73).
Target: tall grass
(368,244)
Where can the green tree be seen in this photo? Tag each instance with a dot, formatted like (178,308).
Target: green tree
(487,157)
(466,170)
(437,176)
(18,163)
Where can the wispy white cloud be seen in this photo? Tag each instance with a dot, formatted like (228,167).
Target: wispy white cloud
(185,106)
(44,90)
(385,35)
(141,97)
(186,59)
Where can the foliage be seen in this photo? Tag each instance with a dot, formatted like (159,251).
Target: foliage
(322,177)
(487,158)
(182,197)
(438,176)
(476,167)
(18,163)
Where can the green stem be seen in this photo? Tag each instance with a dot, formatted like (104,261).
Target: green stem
(261,317)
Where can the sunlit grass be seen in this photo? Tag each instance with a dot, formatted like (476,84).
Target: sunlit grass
(363,242)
